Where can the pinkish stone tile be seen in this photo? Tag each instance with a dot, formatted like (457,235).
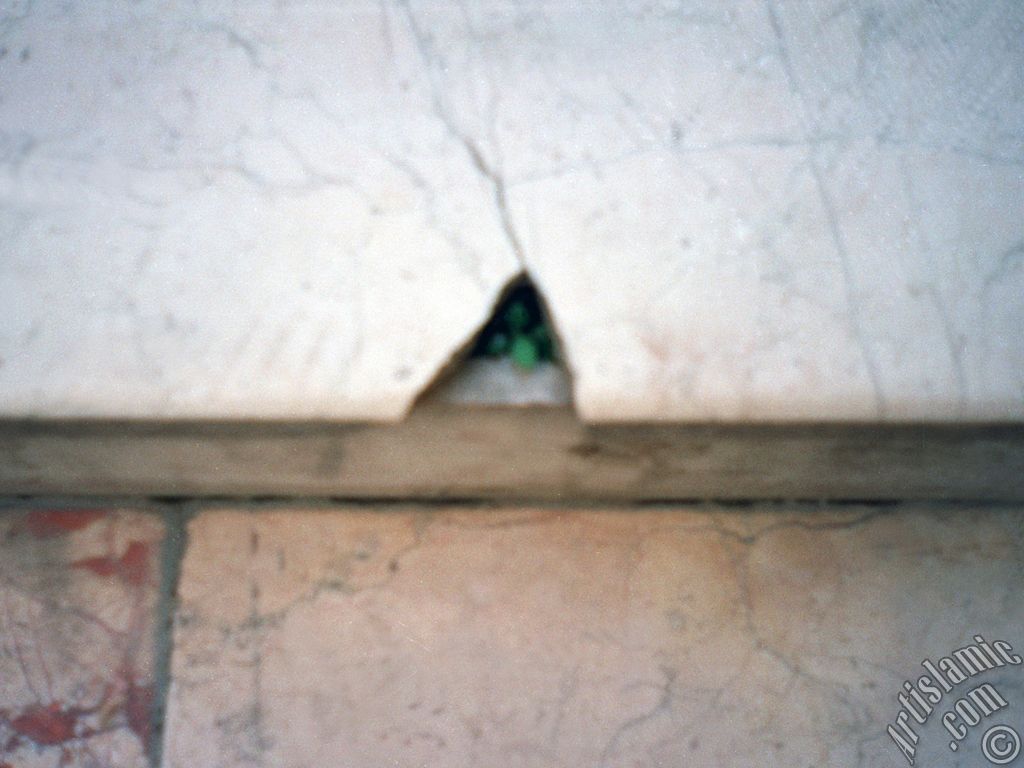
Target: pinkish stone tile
(532,638)
(78,589)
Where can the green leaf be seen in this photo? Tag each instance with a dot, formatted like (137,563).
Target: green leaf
(524,352)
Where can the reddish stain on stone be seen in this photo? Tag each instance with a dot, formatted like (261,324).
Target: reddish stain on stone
(126,699)
(135,563)
(137,707)
(46,725)
(101,566)
(132,566)
(46,523)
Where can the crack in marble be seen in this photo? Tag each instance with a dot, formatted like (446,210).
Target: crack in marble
(493,177)
(831,217)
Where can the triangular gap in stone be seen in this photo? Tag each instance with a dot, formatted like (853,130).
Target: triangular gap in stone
(514,359)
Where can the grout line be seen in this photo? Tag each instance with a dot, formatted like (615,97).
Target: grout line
(172,552)
(176,511)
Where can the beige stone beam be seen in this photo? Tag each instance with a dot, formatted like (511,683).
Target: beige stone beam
(446,450)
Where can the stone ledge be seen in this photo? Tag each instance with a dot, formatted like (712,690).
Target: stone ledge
(445,450)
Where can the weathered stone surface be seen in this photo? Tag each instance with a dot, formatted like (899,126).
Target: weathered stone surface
(527,637)
(736,210)
(78,590)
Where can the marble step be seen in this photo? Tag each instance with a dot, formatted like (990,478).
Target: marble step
(736,211)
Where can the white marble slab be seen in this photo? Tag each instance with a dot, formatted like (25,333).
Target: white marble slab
(735,210)
(247,211)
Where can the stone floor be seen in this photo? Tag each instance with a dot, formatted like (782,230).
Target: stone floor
(460,636)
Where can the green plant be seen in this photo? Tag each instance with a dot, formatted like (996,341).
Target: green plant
(518,330)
